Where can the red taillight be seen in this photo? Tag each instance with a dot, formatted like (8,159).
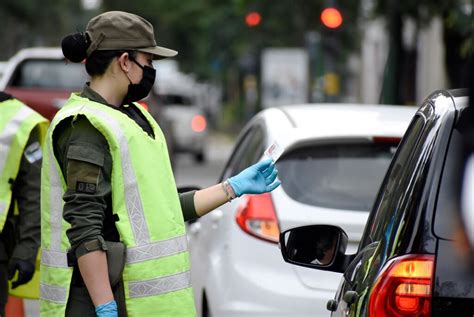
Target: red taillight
(198,123)
(256,216)
(403,287)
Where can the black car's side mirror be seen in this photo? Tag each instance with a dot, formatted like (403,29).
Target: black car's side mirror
(317,246)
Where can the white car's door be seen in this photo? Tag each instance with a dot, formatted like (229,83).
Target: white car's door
(207,235)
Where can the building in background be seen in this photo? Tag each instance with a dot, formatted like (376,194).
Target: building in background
(284,76)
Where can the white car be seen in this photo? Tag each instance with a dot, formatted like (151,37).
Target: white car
(334,160)
(41,78)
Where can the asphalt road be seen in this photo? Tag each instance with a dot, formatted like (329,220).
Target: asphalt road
(187,172)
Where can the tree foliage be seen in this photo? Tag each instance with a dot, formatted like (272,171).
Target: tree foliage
(458,26)
(33,23)
(211,35)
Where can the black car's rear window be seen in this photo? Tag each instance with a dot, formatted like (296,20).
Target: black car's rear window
(445,225)
(49,74)
(339,176)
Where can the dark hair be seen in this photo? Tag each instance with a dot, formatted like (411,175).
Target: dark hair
(75,47)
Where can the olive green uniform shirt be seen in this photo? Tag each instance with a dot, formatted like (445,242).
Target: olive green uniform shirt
(85,160)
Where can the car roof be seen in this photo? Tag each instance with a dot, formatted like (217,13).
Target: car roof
(54,53)
(290,124)
(39,52)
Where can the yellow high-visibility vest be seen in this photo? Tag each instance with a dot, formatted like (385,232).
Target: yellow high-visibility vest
(17,121)
(144,197)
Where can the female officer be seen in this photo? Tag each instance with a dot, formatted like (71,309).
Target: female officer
(106,172)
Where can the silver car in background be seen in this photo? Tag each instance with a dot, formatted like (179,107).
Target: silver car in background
(178,95)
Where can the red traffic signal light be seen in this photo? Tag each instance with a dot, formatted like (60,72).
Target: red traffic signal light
(253,19)
(331,18)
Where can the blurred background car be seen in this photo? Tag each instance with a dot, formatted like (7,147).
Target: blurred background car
(334,160)
(177,94)
(409,262)
(43,79)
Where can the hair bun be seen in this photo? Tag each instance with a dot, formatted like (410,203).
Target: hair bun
(75,46)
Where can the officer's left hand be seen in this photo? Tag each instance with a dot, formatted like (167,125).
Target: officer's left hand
(256,179)
(25,269)
(108,309)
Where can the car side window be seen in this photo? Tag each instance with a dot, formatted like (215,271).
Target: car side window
(394,186)
(253,151)
(247,152)
(49,74)
(446,223)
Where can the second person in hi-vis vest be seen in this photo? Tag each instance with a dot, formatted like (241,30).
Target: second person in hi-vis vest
(22,132)
(113,234)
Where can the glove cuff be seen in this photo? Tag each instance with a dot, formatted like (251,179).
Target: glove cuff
(106,308)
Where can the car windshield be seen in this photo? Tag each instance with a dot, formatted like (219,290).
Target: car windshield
(338,176)
(49,74)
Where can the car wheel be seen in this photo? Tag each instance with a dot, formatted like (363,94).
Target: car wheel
(199,157)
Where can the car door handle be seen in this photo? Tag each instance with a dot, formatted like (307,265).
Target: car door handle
(350,297)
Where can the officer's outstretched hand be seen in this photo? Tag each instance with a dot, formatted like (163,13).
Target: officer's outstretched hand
(108,309)
(25,269)
(256,179)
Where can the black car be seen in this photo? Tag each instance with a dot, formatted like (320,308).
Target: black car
(409,262)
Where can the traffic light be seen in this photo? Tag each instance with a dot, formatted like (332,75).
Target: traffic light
(331,18)
(253,19)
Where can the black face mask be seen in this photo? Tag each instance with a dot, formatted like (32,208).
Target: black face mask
(139,91)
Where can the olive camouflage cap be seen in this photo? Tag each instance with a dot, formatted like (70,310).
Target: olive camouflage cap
(118,30)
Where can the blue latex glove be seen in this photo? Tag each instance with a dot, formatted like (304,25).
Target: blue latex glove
(108,309)
(256,179)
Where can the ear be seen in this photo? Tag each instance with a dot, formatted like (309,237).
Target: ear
(124,62)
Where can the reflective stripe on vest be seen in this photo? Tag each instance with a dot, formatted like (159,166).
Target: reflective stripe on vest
(160,285)
(51,293)
(54,256)
(55,204)
(154,250)
(138,289)
(6,138)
